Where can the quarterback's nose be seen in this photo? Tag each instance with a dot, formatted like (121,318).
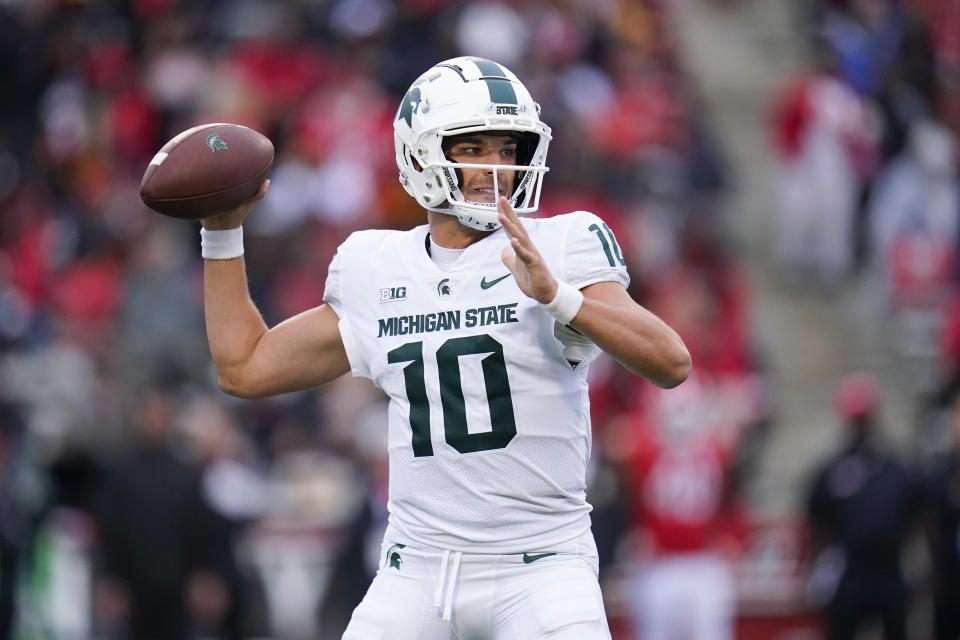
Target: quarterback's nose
(493,157)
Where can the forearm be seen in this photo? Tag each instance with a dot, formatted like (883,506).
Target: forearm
(636,338)
(251,360)
(234,326)
(607,314)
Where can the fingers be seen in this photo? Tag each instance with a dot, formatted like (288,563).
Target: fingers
(519,240)
(503,206)
(509,219)
(234,218)
(262,191)
(526,252)
(509,259)
(522,257)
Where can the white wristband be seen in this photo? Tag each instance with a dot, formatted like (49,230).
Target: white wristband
(222,244)
(566,304)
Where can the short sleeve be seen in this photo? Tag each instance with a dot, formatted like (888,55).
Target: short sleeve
(331,291)
(333,296)
(591,252)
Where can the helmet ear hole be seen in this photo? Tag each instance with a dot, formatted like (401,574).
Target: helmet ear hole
(413,161)
(526,146)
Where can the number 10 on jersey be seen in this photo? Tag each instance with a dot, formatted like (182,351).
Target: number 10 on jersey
(495,382)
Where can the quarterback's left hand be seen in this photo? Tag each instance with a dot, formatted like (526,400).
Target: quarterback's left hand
(522,258)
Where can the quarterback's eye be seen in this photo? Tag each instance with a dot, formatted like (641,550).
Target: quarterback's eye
(506,152)
(509,152)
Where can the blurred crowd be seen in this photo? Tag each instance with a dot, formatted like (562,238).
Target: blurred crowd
(865,139)
(136,500)
(867,192)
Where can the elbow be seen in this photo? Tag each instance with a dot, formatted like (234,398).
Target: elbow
(678,373)
(677,368)
(233,386)
(229,386)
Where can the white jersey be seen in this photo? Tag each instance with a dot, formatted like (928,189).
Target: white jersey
(489,423)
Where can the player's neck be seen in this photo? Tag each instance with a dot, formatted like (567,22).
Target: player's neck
(446,231)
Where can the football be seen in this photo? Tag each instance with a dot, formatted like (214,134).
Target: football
(207,169)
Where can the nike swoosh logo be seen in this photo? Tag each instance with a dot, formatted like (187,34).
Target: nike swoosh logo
(486,285)
(527,558)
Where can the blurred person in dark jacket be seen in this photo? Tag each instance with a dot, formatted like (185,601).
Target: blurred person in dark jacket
(14,526)
(156,532)
(225,599)
(861,507)
(942,486)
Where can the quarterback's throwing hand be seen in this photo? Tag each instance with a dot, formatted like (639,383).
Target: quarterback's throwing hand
(522,258)
(234,218)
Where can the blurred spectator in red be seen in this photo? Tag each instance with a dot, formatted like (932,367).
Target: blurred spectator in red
(706,296)
(824,141)
(943,527)
(334,159)
(949,340)
(29,240)
(646,111)
(861,506)
(687,529)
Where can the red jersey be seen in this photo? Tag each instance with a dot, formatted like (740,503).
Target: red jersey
(680,496)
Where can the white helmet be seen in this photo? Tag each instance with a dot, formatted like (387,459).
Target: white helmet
(468,95)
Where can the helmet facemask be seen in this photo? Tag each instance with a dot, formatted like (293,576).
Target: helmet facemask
(524,194)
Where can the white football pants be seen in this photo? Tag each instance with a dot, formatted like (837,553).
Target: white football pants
(431,594)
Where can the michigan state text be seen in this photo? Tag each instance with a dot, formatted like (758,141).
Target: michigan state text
(447,320)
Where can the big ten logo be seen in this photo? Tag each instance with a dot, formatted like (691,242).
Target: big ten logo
(393,293)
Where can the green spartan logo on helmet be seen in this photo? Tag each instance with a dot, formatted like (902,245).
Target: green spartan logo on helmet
(409,105)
